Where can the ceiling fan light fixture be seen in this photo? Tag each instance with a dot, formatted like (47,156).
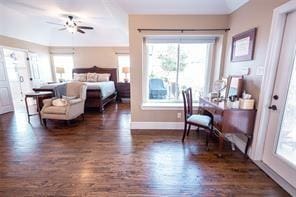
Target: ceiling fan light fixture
(71,26)
(72,29)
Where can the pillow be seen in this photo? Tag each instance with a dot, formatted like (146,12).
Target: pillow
(59,102)
(80,77)
(92,77)
(103,77)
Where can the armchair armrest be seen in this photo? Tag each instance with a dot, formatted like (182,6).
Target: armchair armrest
(74,101)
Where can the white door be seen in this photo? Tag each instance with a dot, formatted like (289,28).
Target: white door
(280,143)
(6,104)
(18,73)
(34,70)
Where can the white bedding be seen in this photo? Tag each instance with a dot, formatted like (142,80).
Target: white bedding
(107,87)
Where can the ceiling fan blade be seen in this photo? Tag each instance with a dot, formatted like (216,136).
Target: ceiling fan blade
(62,29)
(52,23)
(85,27)
(80,31)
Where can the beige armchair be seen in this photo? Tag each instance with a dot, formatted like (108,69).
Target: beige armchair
(74,107)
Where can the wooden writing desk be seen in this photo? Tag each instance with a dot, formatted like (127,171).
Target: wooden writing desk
(39,96)
(229,120)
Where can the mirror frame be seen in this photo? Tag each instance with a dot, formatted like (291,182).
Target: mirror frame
(239,85)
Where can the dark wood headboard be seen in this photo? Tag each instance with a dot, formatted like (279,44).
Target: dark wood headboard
(95,69)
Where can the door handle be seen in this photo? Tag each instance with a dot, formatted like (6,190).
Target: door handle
(275,97)
(273,107)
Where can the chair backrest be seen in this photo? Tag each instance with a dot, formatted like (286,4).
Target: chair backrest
(156,84)
(187,100)
(77,89)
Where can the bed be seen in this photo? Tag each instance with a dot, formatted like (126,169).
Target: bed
(99,94)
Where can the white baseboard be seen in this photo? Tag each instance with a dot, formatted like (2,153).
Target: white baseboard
(158,125)
(240,144)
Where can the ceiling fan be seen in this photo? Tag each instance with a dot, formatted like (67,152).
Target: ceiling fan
(71,26)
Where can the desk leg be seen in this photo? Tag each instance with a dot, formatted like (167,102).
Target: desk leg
(247,146)
(38,109)
(221,145)
(27,108)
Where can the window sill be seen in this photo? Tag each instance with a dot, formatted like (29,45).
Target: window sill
(166,106)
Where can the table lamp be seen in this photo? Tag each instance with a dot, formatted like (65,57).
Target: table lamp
(61,71)
(126,70)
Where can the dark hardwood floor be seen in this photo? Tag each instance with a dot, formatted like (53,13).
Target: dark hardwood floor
(100,157)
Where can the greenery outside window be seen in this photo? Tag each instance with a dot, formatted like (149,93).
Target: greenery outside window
(176,63)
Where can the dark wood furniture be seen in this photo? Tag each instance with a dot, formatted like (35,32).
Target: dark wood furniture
(197,120)
(94,98)
(229,120)
(39,96)
(123,90)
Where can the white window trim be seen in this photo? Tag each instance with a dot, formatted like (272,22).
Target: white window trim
(166,106)
(148,105)
(53,67)
(118,70)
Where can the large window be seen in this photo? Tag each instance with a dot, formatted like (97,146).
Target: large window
(63,65)
(124,68)
(175,64)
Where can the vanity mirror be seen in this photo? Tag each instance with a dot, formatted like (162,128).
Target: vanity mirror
(234,86)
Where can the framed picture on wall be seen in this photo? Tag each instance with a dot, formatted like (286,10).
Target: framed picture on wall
(243,45)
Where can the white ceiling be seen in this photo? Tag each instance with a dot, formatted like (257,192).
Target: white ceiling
(27,19)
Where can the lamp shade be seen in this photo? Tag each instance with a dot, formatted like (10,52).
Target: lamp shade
(60,70)
(126,69)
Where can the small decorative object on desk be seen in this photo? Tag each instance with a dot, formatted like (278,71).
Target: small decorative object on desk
(246,102)
(218,86)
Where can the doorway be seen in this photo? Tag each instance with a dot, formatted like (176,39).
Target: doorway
(280,142)
(18,73)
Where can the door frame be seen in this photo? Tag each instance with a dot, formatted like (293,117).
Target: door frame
(271,64)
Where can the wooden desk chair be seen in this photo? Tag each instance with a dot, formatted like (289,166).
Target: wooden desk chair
(198,120)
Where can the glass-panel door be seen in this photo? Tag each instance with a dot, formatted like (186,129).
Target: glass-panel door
(280,143)
(286,146)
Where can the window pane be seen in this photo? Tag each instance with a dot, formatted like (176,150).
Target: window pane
(162,71)
(286,146)
(173,67)
(123,67)
(66,62)
(193,68)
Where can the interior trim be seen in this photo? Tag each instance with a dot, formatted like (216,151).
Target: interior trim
(277,178)
(158,125)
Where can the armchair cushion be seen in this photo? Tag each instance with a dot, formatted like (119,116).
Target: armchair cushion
(55,110)
(59,102)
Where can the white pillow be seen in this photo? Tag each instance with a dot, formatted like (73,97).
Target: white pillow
(92,77)
(59,102)
(103,77)
(80,77)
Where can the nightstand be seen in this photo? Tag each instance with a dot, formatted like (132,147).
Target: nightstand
(123,91)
